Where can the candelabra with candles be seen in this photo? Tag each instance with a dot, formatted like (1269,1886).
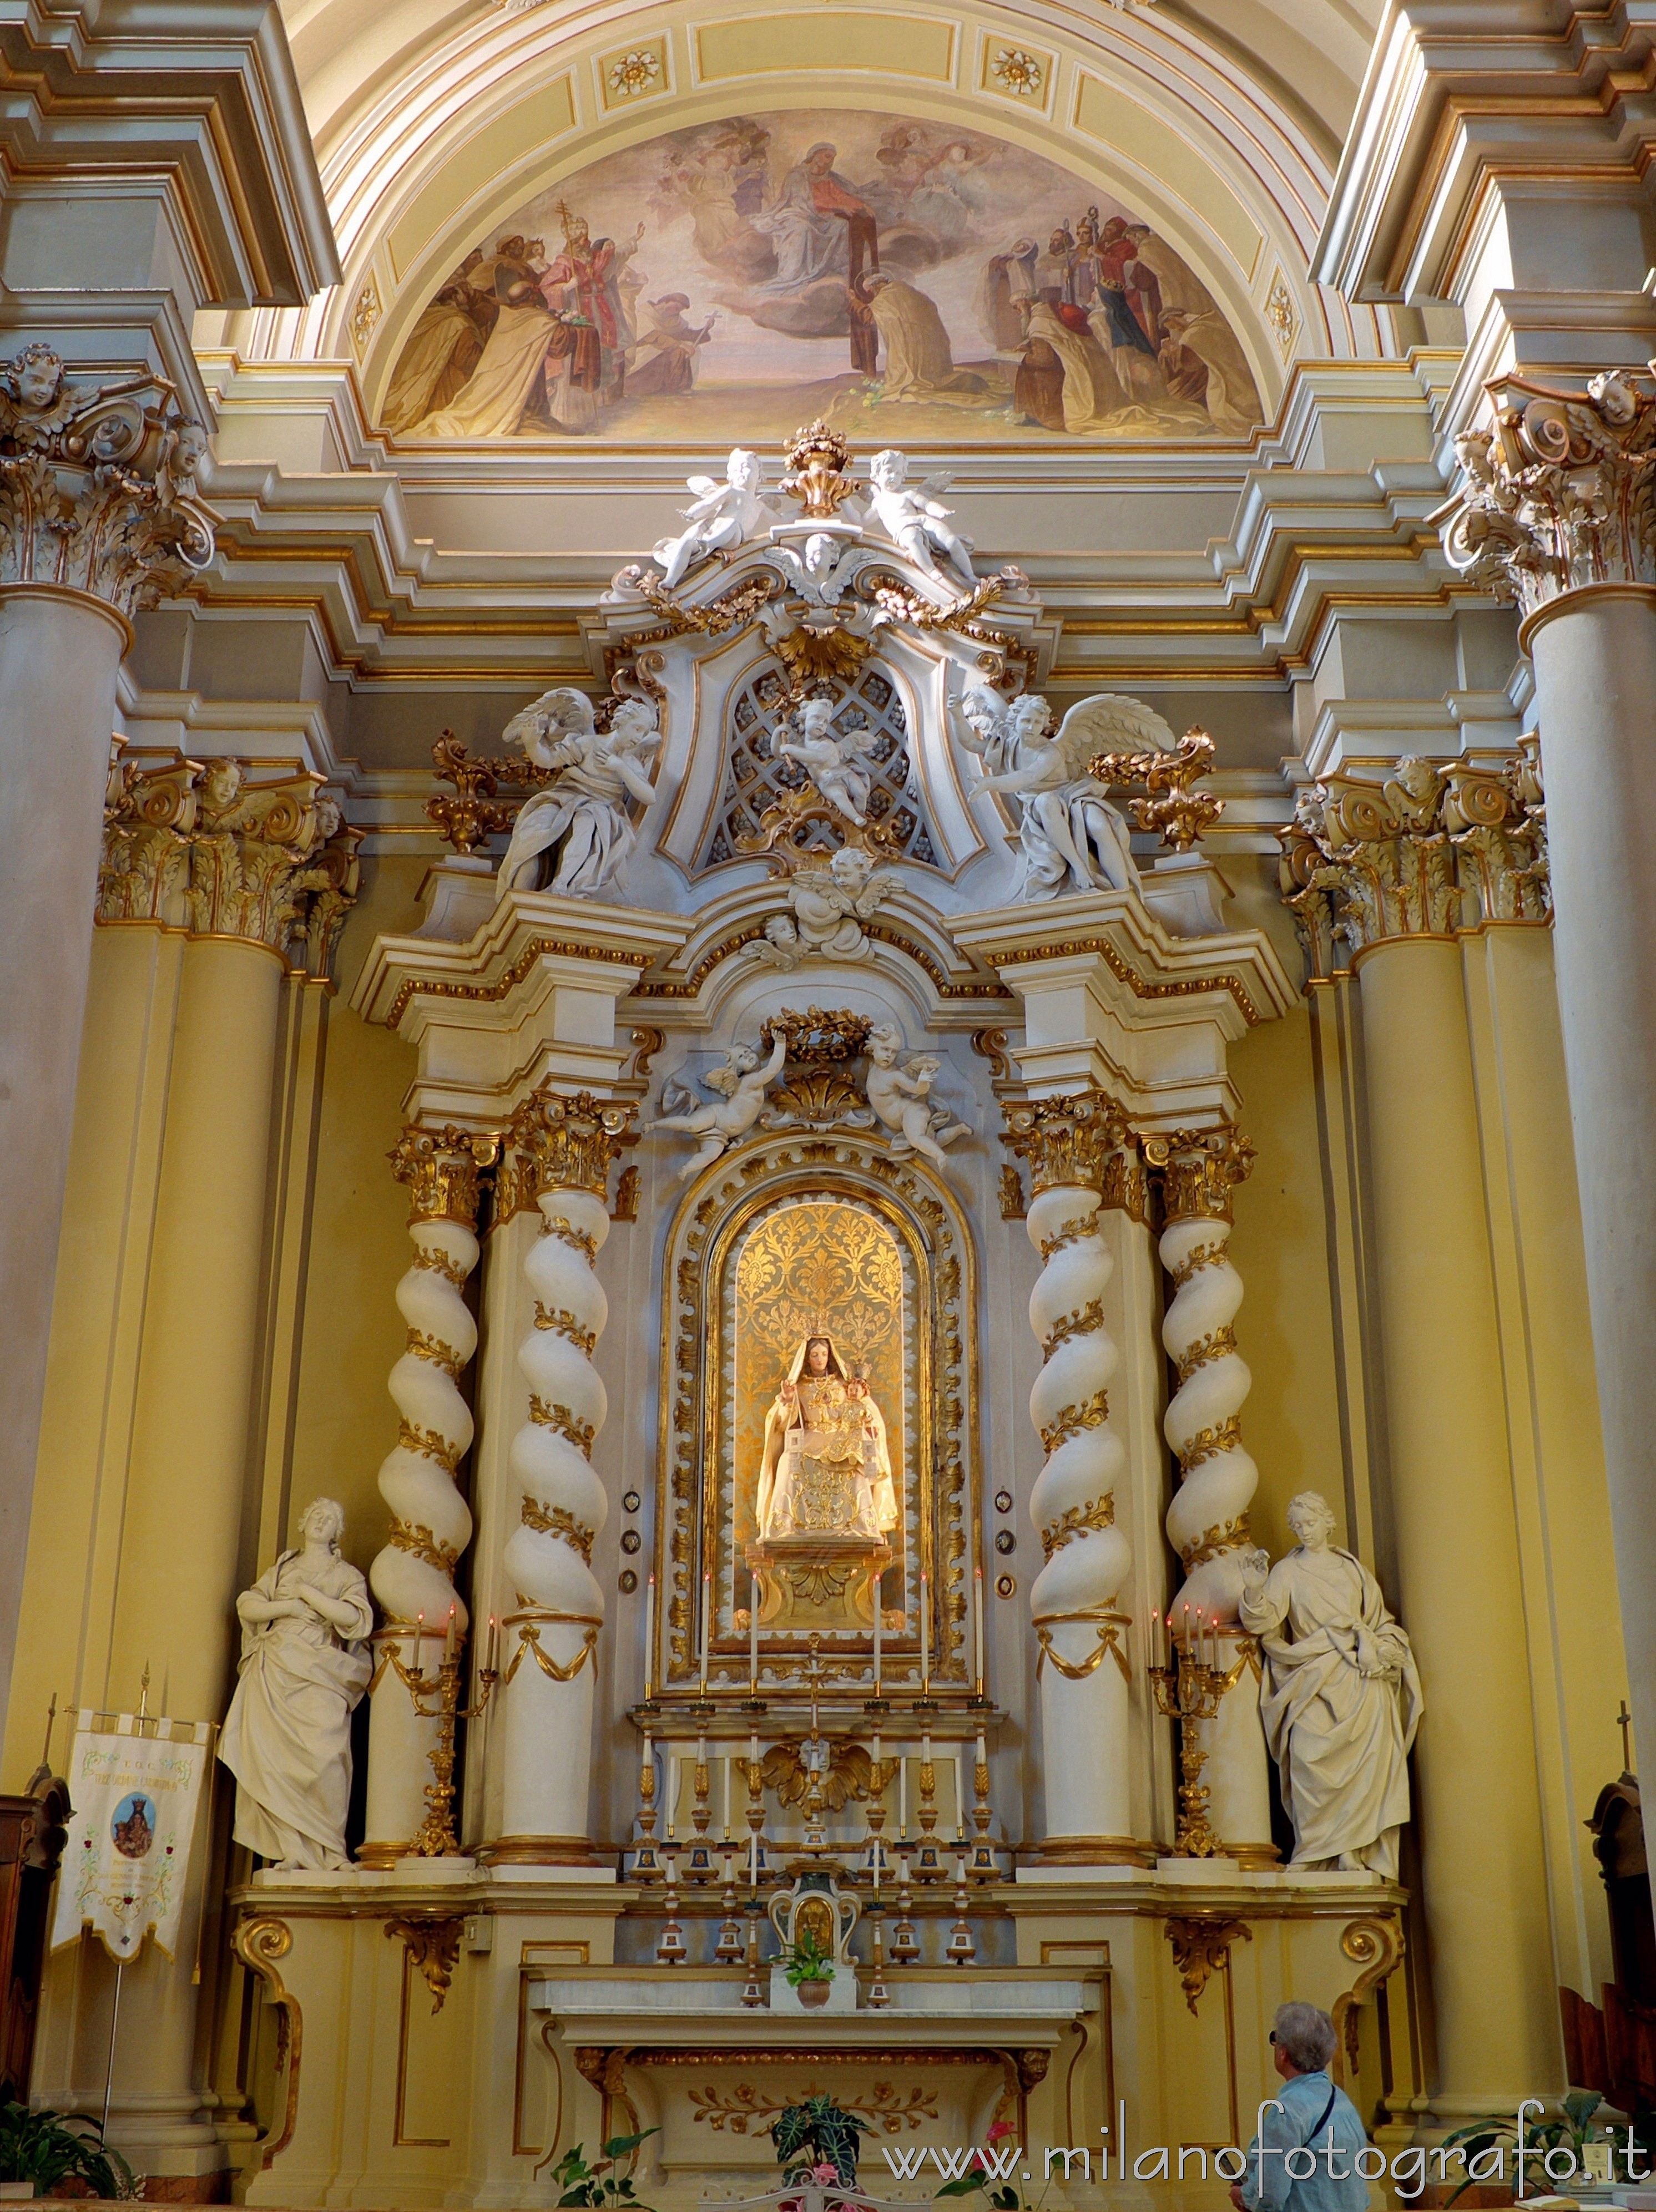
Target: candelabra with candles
(1189,1689)
(437,1697)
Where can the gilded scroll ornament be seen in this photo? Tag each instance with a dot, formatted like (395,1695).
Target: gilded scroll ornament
(1092,1414)
(558,1521)
(564,1324)
(549,1415)
(1202,1948)
(433,1944)
(1076,1520)
(412,1536)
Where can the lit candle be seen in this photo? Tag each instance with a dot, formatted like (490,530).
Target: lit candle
(978,1626)
(419,1644)
(1155,1634)
(753,1637)
(649,1639)
(448,1638)
(878,1626)
(494,1645)
(925,1635)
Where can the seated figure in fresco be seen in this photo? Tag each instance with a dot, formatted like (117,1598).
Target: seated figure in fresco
(827,1469)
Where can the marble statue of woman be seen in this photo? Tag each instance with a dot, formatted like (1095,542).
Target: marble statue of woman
(1342,1699)
(826,1469)
(304,1666)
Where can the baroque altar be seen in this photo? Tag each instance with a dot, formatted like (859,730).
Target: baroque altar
(819,1500)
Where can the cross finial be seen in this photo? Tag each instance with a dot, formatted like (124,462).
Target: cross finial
(1624,1722)
(144,1694)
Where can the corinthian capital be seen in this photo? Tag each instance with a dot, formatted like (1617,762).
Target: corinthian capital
(1557,494)
(205,848)
(97,484)
(1425,852)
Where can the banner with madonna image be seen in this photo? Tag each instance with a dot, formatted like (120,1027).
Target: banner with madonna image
(135,1784)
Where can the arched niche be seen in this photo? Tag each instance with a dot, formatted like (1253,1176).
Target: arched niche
(715,1391)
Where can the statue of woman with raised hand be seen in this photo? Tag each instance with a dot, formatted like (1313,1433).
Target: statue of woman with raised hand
(827,1469)
(304,1666)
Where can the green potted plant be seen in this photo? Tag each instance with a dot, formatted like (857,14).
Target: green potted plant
(39,2151)
(809,1969)
(597,2188)
(1570,2130)
(818,2140)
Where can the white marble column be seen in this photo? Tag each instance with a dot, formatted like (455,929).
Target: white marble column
(1208,1519)
(549,1642)
(1079,1152)
(66,596)
(1554,514)
(413,1576)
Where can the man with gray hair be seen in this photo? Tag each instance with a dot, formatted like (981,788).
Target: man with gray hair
(1303,2158)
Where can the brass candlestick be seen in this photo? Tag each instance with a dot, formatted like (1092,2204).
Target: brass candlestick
(670,1950)
(984,1866)
(753,1988)
(1189,1691)
(435,1837)
(961,1948)
(728,1948)
(904,1949)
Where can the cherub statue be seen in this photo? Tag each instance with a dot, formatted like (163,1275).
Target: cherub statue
(916,520)
(901,1098)
(584,808)
(835,764)
(830,906)
(821,574)
(721,517)
(36,398)
(1072,838)
(741,1084)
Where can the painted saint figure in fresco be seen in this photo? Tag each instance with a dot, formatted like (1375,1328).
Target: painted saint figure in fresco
(899,281)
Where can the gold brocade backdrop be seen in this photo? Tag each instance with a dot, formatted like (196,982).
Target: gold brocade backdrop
(815,1268)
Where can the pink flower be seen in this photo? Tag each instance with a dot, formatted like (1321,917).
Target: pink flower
(824,2172)
(1000,2132)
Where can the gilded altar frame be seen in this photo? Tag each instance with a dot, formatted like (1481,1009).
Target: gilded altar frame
(944,1448)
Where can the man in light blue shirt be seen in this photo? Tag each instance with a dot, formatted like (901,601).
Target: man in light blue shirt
(1303,2157)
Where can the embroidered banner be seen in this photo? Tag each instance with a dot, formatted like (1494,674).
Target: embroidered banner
(134,1784)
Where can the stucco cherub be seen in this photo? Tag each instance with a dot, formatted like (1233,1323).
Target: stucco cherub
(721,517)
(835,764)
(830,906)
(741,1084)
(916,520)
(901,1098)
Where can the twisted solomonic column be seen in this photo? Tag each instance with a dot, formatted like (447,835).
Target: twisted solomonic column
(1208,1520)
(566,1144)
(1079,1151)
(413,1577)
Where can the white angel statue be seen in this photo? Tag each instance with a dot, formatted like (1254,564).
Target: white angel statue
(901,1098)
(741,1084)
(917,520)
(721,517)
(584,808)
(1072,838)
(830,906)
(835,764)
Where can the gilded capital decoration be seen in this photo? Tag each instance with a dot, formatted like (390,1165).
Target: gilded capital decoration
(1082,1141)
(222,848)
(1202,1948)
(1426,851)
(1199,1169)
(565,1142)
(97,484)
(440,1170)
(1556,493)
